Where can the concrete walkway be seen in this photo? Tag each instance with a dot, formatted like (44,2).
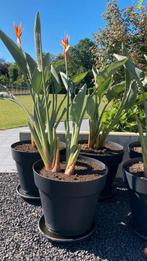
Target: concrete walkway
(7,137)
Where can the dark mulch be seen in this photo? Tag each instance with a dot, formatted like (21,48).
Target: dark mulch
(20,238)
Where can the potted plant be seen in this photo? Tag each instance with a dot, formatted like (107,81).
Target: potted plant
(24,153)
(68,185)
(135,172)
(101,98)
(135,148)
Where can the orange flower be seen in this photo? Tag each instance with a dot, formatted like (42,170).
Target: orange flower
(18,32)
(65,43)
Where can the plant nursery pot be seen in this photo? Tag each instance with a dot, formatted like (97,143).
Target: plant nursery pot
(68,206)
(137,188)
(24,161)
(133,151)
(112,161)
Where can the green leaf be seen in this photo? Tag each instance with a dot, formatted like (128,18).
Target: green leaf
(37,33)
(104,77)
(113,67)
(36,83)
(115,91)
(91,106)
(15,51)
(64,80)
(47,74)
(78,105)
(55,80)
(103,87)
(109,70)
(131,95)
(67,83)
(143,141)
(31,64)
(55,74)
(46,59)
(78,78)
(134,72)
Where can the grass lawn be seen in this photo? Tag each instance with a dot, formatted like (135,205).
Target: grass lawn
(11,116)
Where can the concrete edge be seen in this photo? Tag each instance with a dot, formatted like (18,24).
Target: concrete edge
(124,138)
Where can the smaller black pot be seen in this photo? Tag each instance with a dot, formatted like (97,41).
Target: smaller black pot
(137,187)
(112,161)
(68,207)
(132,153)
(24,162)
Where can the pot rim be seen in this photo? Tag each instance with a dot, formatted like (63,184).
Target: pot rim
(113,153)
(19,143)
(131,161)
(13,145)
(132,145)
(101,174)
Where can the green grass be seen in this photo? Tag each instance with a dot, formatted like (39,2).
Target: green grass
(11,116)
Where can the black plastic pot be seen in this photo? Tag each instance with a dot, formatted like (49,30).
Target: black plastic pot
(137,187)
(132,153)
(112,161)
(68,207)
(24,162)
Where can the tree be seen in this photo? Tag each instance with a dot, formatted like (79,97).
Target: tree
(81,58)
(4,69)
(13,72)
(127,26)
(4,76)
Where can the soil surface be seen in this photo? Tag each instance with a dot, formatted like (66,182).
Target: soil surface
(26,148)
(137,149)
(84,171)
(106,150)
(137,169)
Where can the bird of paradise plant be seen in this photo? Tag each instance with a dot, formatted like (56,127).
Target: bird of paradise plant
(102,96)
(142,134)
(75,112)
(47,112)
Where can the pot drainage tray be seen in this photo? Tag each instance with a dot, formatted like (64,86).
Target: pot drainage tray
(59,238)
(34,200)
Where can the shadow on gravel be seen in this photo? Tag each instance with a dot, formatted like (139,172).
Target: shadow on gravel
(113,239)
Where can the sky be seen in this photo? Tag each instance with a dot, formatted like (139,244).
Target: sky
(77,18)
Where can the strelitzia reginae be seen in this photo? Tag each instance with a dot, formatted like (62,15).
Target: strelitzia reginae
(102,95)
(47,112)
(143,134)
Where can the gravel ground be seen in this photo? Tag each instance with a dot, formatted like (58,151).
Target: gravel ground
(20,238)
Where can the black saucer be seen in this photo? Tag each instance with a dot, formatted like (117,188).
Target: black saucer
(28,198)
(59,238)
(135,229)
